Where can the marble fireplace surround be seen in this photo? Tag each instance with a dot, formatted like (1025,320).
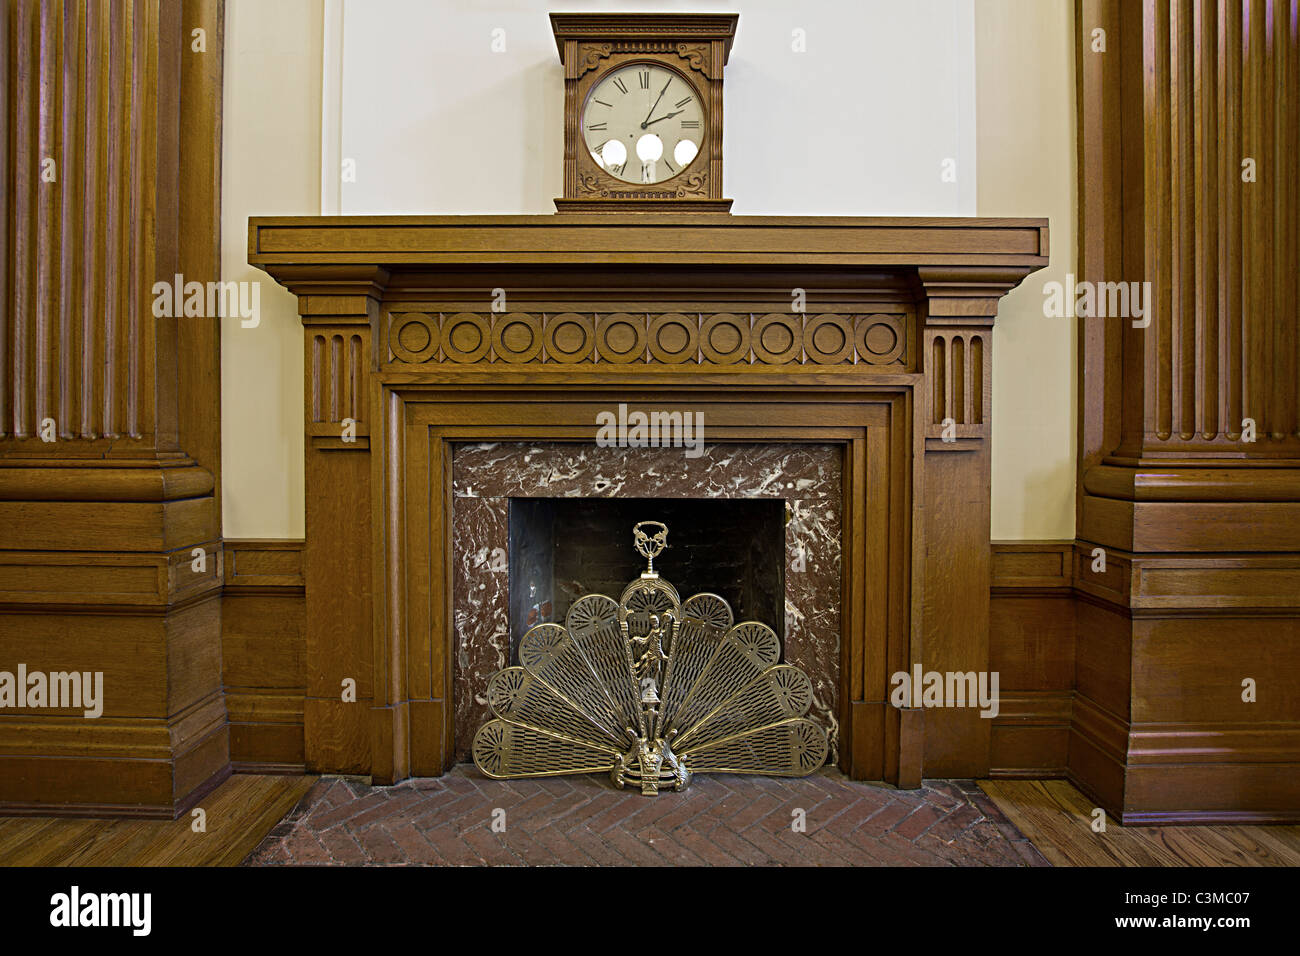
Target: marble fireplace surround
(406,357)
(807,477)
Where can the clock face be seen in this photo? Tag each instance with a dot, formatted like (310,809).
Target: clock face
(643,123)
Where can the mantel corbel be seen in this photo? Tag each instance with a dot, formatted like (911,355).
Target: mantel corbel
(330,279)
(955,294)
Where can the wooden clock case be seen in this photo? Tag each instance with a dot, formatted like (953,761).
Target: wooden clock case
(695,46)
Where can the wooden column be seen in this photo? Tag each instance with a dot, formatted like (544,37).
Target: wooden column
(957,405)
(110,553)
(1189,453)
(343,679)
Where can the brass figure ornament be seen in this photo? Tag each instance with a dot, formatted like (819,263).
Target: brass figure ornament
(650,690)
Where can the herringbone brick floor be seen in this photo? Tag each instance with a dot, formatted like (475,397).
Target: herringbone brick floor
(464,819)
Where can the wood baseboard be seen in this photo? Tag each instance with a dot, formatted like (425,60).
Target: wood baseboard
(136,811)
(1031,773)
(1209,817)
(273,769)
(1030,736)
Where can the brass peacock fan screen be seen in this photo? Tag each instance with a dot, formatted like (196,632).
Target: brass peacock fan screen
(649,690)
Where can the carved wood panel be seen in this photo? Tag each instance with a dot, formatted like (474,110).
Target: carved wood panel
(878,340)
(959,389)
(337,369)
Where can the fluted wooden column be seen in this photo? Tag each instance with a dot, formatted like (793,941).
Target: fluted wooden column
(110,541)
(1220,196)
(1189,483)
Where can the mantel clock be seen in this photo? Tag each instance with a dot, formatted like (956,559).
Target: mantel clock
(643,111)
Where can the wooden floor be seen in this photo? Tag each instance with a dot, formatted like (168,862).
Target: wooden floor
(1057,819)
(239,814)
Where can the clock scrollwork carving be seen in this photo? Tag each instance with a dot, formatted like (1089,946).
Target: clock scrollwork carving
(590,55)
(696,185)
(697,57)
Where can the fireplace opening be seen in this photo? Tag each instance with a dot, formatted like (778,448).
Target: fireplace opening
(524,512)
(564,548)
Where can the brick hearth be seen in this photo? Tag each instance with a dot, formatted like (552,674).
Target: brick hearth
(720,820)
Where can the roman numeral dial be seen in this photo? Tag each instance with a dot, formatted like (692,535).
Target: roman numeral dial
(643,123)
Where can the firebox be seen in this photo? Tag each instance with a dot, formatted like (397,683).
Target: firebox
(563,548)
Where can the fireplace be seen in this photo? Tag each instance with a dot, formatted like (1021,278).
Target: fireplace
(438,350)
(536,525)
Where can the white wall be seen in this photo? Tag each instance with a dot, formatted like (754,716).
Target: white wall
(270,166)
(859,124)
(1026,108)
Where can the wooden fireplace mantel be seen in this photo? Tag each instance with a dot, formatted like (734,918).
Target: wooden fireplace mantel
(962,260)
(278,242)
(427,331)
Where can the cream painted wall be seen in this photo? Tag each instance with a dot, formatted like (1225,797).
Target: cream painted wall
(985,82)
(271,132)
(1026,149)
(860,123)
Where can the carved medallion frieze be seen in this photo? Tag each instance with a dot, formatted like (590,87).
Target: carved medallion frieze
(422,336)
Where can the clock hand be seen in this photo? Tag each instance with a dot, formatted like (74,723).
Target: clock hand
(646,121)
(661,119)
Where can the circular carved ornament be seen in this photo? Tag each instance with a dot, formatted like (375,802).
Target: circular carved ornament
(724,338)
(881,339)
(413,337)
(466,337)
(569,337)
(827,339)
(777,338)
(620,338)
(674,338)
(517,337)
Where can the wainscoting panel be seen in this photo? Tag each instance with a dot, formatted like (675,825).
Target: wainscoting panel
(264,645)
(1032,647)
